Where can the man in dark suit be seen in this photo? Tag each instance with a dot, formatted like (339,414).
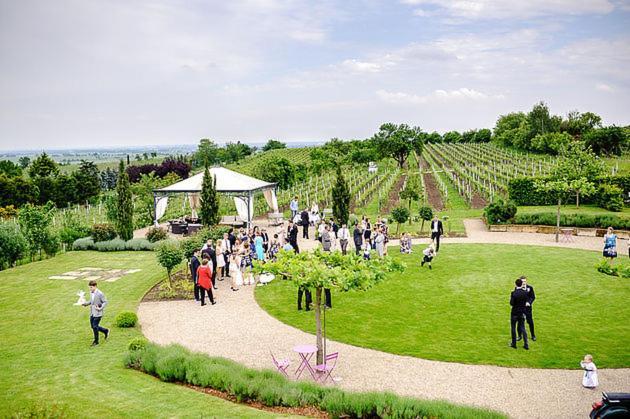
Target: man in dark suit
(292,233)
(265,237)
(357,235)
(226,244)
(436,232)
(518,301)
(531,296)
(210,254)
(194,265)
(305,223)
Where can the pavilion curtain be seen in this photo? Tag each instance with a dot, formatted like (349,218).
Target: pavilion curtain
(241,207)
(272,200)
(160,208)
(195,203)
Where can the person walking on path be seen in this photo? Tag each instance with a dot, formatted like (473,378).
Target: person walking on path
(344,236)
(305,223)
(590,372)
(294,205)
(204,279)
(357,235)
(211,254)
(610,245)
(97,304)
(292,233)
(194,265)
(436,231)
(220,260)
(518,301)
(531,296)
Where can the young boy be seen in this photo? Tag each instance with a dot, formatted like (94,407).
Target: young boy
(97,305)
(429,254)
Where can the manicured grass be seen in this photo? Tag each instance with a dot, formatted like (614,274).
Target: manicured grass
(459,311)
(46,359)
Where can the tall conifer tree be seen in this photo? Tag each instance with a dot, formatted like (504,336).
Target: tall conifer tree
(341,198)
(124,205)
(209,200)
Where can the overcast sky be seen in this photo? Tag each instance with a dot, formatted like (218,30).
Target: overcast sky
(89,73)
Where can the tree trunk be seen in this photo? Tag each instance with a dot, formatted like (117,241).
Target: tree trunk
(409,211)
(170,282)
(577,199)
(318,321)
(422,226)
(558,219)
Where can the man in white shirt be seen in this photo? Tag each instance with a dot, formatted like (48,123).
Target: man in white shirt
(344,237)
(436,232)
(226,245)
(97,305)
(294,206)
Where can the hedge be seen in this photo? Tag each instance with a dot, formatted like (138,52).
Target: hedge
(523,191)
(115,245)
(574,220)
(173,363)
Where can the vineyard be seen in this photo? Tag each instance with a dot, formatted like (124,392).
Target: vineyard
(479,172)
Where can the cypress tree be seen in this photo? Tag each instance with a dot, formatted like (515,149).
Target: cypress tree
(124,205)
(341,198)
(209,200)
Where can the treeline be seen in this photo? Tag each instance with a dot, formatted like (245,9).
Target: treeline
(540,131)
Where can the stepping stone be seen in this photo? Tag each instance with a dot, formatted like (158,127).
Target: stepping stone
(91,278)
(90,269)
(62,277)
(132,271)
(114,271)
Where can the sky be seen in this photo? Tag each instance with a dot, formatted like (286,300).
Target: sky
(84,73)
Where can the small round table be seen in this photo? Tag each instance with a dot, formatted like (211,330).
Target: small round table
(306,353)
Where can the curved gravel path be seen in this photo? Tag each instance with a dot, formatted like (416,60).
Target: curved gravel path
(237,328)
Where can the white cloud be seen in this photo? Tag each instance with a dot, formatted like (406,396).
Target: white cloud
(439,95)
(603,87)
(500,9)
(363,66)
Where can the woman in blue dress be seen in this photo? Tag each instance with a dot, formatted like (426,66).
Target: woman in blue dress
(610,244)
(258,244)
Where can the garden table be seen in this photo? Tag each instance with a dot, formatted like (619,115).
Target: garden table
(306,353)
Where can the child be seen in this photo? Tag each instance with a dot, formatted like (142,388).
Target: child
(366,251)
(590,372)
(429,254)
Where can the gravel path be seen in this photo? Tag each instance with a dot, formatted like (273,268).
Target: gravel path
(237,328)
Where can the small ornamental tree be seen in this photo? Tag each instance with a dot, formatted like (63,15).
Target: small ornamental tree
(576,164)
(209,200)
(341,199)
(400,215)
(411,192)
(169,254)
(327,270)
(124,205)
(426,213)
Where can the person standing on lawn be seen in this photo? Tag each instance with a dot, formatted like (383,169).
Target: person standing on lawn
(292,233)
(531,296)
(518,301)
(97,304)
(344,236)
(294,205)
(436,231)
(357,235)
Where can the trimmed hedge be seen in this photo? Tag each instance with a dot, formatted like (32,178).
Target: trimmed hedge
(155,234)
(610,197)
(102,232)
(574,220)
(499,211)
(116,245)
(175,364)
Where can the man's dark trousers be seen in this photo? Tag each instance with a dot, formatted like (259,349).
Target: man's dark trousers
(309,297)
(327,298)
(518,320)
(530,321)
(435,235)
(95,324)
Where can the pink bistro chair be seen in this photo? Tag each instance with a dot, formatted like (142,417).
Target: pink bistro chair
(282,365)
(327,367)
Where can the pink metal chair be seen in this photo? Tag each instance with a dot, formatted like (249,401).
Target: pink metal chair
(327,367)
(282,365)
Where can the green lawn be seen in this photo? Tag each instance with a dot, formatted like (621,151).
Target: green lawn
(571,209)
(46,360)
(459,311)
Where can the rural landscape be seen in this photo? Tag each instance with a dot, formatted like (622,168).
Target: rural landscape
(249,237)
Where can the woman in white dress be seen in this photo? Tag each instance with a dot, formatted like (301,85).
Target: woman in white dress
(220,260)
(314,216)
(235,273)
(379,241)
